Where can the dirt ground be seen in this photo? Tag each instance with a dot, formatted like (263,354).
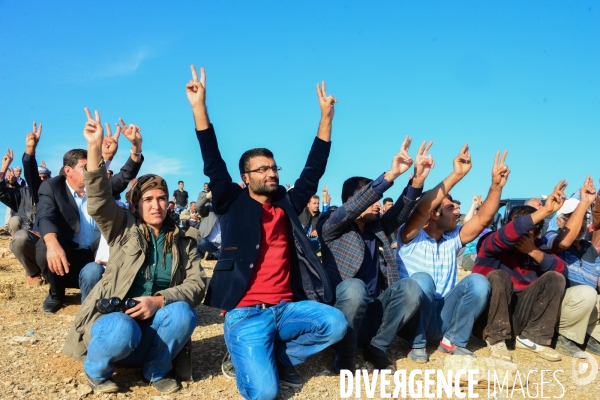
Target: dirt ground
(33,367)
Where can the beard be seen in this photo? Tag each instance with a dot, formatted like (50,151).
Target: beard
(261,188)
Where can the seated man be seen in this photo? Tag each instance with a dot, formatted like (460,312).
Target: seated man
(67,229)
(190,216)
(24,199)
(308,218)
(210,228)
(527,283)
(153,263)
(578,321)
(375,302)
(268,280)
(429,242)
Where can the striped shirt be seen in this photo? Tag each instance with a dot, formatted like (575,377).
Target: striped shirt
(583,264)
(438,259)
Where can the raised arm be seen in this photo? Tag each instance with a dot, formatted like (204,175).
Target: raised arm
(403,206)
(101,205)
(30,167)
(307,184)
(475,204)
(338,221)
(569,232)
(11,197)
(224,190)
(434,197)
(130,169)
(473,227)
(6,160)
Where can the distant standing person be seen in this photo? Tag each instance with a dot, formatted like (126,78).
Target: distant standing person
(180,197)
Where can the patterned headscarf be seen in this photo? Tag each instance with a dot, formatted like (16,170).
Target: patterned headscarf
(143,184)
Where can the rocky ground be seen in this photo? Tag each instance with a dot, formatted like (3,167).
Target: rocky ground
(33,367)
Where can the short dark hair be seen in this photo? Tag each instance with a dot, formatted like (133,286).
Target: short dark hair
(179,182)
(520,211)
(388,200)
(314,196)
(193,202)
(456,202)
(439,207)
(171,202)
(206,183)
(258,152)
(353,185)
(72,157)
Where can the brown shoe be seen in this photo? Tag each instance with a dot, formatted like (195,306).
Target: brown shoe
(34,280)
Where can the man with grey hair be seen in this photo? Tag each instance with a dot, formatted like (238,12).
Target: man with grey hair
(534,202)
(578,323)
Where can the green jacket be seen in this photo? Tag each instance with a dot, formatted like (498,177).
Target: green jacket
(123,232)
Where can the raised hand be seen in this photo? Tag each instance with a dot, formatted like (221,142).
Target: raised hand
(325,102)
(43,164)
(556,199)
(132,133)
(93,132)
(7,159)
(110,143)
(196,89)
(401,161)
(462,162)
(588,191)
(423,163)
(33,137)
(477,200)
(500,171)
(525,245)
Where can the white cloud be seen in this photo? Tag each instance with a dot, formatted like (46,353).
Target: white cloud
(158,164)
(126,66)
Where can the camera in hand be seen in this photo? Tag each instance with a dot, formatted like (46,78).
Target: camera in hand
(115,304)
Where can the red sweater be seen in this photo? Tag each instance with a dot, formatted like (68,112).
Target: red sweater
(270,282)
(495,251)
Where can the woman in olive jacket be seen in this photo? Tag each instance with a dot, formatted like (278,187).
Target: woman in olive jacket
(152,262)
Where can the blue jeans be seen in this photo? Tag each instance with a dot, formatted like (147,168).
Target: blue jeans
(372,321)
(454,315)
(151,343)
(89,275)
(286,332)
(206,246)
(179,209)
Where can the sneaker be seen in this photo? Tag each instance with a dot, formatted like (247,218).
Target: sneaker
(545,352)
(566,346)
(378,358)
(592,345)
(227,366)
(499,351)
(455,350)
(418,355)
(166,385)
(288,376)
(105,386)
(343,362)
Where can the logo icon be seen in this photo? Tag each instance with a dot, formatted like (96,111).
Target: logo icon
(585,368)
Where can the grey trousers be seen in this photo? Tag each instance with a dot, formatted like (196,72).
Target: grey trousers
(579,314)
(23,247)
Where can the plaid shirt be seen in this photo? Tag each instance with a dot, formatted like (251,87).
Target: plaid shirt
(342,246)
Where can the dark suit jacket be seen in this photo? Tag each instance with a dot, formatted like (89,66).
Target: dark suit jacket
(240,218)
(57,211)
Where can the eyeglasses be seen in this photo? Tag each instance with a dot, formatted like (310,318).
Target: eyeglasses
(265,169)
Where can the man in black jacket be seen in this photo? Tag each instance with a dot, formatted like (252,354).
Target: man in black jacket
(68,232)
(23,200)
(267,271)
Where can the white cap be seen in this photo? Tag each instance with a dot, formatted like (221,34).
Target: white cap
(568,207)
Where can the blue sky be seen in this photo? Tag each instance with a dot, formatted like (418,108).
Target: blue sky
(521,76)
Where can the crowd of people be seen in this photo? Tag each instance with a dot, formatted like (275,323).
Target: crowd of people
(291,277)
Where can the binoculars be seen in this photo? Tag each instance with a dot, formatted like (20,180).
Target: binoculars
(115,304)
